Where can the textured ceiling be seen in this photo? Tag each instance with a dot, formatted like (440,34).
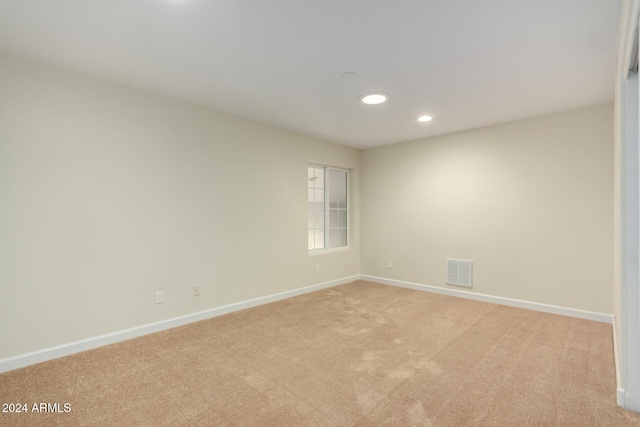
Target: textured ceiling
(467,63)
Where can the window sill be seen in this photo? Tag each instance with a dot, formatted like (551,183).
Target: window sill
(330,251)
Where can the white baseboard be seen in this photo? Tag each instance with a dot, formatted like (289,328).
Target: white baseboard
(554,309)
(620,397)
(22,360)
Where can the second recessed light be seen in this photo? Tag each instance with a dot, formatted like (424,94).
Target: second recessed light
(374,98)
(425,119)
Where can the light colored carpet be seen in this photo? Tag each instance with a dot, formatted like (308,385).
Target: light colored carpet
(359,354)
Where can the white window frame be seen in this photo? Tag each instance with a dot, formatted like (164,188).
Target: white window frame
(326,227)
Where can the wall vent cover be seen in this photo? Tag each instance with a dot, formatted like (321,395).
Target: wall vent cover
(459,272)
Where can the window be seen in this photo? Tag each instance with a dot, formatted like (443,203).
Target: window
(328,207)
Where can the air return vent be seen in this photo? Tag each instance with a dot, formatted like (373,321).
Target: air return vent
(459,272)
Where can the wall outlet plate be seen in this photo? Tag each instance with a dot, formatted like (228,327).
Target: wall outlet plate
(196,291)
(159,297)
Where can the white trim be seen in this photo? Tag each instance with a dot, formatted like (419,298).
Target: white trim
(22,360)
(620,396)
(546,308)
(628,33)
(619,390)
(316,252)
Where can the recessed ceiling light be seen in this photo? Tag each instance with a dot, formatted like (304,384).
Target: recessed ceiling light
(374,98)
(425,119)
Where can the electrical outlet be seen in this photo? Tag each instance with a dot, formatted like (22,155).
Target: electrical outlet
(159,297)
(317,268)
(196,291)
(389,264)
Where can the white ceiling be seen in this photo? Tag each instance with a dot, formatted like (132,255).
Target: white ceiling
(468,63)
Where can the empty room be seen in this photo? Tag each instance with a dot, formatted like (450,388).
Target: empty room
(410,213)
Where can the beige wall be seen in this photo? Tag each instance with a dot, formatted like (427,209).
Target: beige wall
(530,202)
(109,194)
